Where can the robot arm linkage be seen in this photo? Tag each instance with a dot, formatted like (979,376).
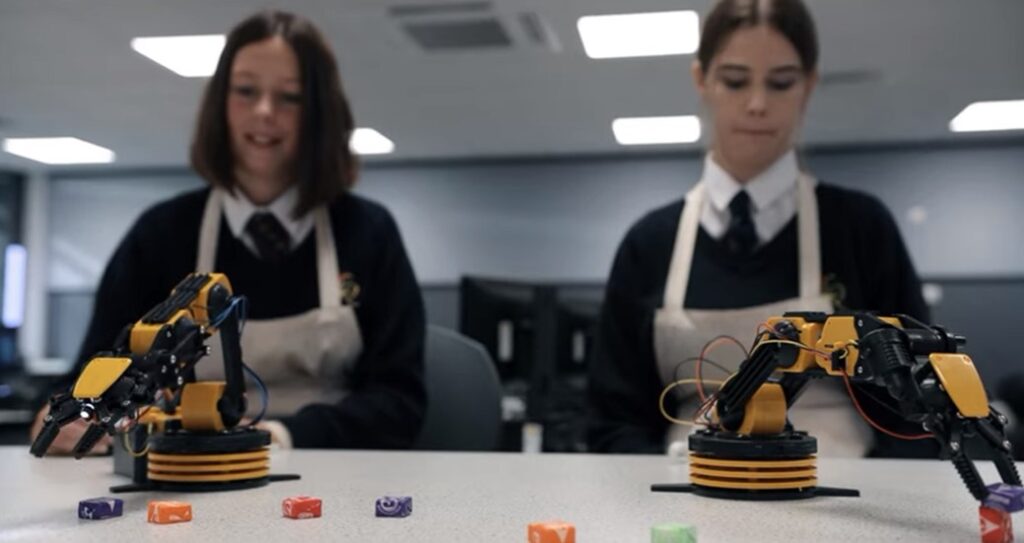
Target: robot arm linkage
(152,361)
(918,365)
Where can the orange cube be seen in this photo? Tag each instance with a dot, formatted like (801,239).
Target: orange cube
(301,507)
(996,526)
(165,512)
(551,532)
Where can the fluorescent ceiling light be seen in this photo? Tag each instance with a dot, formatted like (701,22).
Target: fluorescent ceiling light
(656,130)
(367,141)
(986,116)
(58,150)
(640,34)
(15,266)
(187,56)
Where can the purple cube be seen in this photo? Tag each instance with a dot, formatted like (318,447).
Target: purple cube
(100,508)
(394,507)
(1004,497)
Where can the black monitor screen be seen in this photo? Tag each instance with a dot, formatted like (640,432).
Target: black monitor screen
(500,315)
(577,332)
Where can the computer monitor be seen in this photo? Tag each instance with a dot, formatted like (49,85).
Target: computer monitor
(578,319)
(9,358)
(505,316)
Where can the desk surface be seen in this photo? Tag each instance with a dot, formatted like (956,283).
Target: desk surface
(462,497)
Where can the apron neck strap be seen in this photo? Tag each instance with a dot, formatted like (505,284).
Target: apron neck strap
(326,260)
(810,234)
(678,280)
(209,231)
(326,255)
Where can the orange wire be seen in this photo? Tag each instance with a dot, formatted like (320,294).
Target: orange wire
(875,425)
(705,404)
(703,352)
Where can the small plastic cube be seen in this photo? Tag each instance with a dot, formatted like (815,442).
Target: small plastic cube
(168,512)
(394,506)
(301,507)
(996,526)
(673,532)
(100,508)
(551,532)
(1009,498)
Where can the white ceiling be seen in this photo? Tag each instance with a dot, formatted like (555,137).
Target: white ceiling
(66,68)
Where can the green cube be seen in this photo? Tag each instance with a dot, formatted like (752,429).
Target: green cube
(673,532)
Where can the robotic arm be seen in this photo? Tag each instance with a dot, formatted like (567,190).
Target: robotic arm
(152,362)
(918,365)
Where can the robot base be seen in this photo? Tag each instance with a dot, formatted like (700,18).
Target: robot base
(192,462)
(730,466)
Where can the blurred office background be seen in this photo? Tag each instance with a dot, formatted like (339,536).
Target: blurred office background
(501,165)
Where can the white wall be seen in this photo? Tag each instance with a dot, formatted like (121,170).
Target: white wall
(972,202)
(88,217)
(562,220)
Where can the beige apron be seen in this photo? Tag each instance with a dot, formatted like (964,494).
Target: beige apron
(304,358)
(823,409)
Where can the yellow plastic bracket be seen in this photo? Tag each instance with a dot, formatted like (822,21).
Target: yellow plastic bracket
(98,375)
(960,379)
(199,406)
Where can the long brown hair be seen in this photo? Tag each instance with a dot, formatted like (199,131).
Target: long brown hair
(324,166)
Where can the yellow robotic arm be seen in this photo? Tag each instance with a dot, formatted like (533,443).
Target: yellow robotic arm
(192,436)
(751,451)
(152,365)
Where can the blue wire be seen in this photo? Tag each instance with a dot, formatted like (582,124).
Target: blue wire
(264,395)
(240,304)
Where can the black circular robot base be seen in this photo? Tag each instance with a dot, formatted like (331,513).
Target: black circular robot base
(232,459)
(731,466)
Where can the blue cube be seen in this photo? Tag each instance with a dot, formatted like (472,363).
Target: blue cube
(100,508)
(394,507)
(1009,498)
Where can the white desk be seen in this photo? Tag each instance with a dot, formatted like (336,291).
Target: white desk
(459,497)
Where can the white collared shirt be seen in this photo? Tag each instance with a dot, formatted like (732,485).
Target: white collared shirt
(772,193)
(238,210)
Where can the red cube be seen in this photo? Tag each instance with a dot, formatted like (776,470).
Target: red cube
(301,507)
(996,526)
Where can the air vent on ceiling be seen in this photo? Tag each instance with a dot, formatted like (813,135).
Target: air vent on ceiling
(465,34)
(457,8)
(471,26)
